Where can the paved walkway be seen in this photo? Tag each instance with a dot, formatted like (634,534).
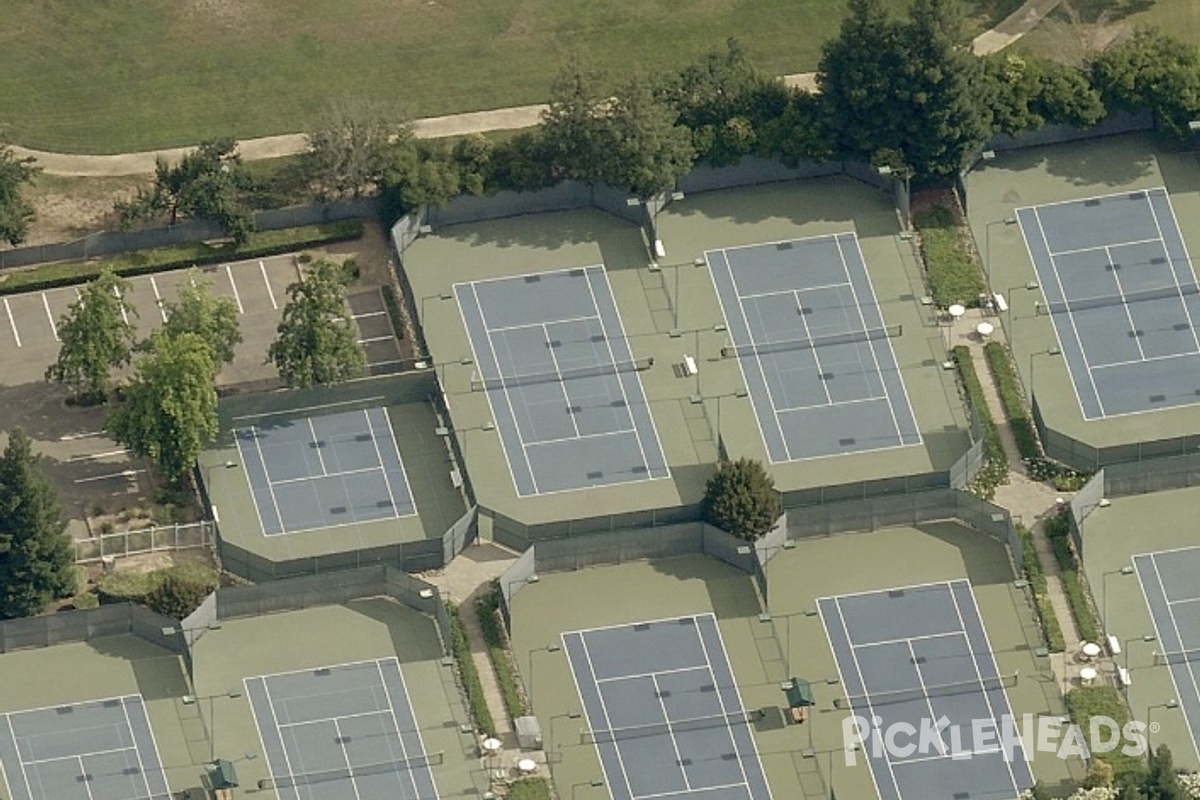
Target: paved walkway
(1016,25)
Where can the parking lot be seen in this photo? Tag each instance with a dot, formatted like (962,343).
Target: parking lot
(28,322)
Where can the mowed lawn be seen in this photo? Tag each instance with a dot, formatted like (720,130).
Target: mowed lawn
(107,76)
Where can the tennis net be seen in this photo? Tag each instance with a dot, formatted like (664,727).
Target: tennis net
(765,348)
(670,726)
(1087,303)
(1177,657)
(974,686)
(350,772)
(559,376)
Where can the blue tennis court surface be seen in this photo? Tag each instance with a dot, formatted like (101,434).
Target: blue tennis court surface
(1172,589)
(342,733)
(1121,292)
(561,380)
(921,653)
(99,750)
(321,472)
(813,347)
(664,712)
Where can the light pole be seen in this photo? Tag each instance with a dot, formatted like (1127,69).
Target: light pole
(594,782)
(767,617)
(550,648)
(987,249)
(550,736)
(905,174)
(697,399)
(191,699)
(447,295)
(465,361)
(1149,637)
(845,751)
(1125,570)
(1172,703)
(1008,318)
(676,334)
(444,431)
(1052,351)
(698,261)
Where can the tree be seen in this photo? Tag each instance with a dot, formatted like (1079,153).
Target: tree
(1152,71)
(648,150)
(575,130)
(210,183)
(15,211)
(170,408)
(35,554)
(96,338)
(214,319)
(317,342)
(741,499)
(350,146)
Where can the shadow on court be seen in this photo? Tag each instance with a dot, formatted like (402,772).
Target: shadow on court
(413,636)
(732,595)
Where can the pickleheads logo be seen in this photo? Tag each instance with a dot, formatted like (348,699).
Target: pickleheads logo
(1012,736)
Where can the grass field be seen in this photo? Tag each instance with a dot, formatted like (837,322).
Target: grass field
(127,75)
(1098,21)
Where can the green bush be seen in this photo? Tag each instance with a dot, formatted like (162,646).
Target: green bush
(953,276)
(1051,629)
(469,675)
(144,262)
(995,470)
(125,587)
(529,789)
(180,590)
(393,310)
(1010,397)
(1058,531)
(487,608)
(1085,702)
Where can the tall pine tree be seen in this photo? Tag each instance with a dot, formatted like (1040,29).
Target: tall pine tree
(35,554)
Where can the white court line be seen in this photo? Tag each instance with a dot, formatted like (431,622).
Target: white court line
(808,335)
(271,294)
(873,399)
(1143,360)
(416,727)
(1154,620)
(1183,600)
(541,324)
(581,436)
(82,772)
(90,753)
(687,784)
(1094,248)
(262,459)
(287,758)
(24,775)
(158,300)
(741,757)
(412,498)
(322,720)
(306,409)
(341,743)
(12,322)
(317,447)
(379,461)
(562,386)
(587,655)
(958,754)
(363,471)
(1080,201)
(796,289)
(925,691)
(236,296)
(136,750)
(904,639)
(50,317)
(1171,264)
(637,675)
(1133,328)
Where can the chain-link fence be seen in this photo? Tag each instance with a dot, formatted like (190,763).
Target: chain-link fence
(84,625)
(1180,472)
(144,540)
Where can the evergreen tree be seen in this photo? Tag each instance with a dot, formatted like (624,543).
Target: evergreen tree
(35,554)
(741,499)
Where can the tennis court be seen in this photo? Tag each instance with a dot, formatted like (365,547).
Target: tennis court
(921,653)
(813,347)
(1121,292)
(324,471)
(551,354)
(99,750)
(1172,593)
(664,712)
(345,732)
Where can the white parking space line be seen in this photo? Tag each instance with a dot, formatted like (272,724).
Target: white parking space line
(374,339)
(12,322)
(128,473)
(121,300)
(50,317)
(366,314)
(158,299)
(97,456)
(236,296)
(263,269)
(70,437)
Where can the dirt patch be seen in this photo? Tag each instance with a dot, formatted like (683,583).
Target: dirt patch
(69,208)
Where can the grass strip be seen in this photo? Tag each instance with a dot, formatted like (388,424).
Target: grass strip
(487,608)
(995,470)
(1051,629)
(469,675)
(144,262)
(953,276)
(1103,702)
(1058,531)
(529,789)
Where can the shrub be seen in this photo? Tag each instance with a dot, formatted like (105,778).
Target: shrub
(995,470)
(529,789)
(741,499)
(487,608)
(1085,702)
(179,590)
(1010,397)
(469,675)
(125,587)
(953,276)
(1058,531)
(1051,629)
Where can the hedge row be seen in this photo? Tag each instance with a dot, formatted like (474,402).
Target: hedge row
(1085,702)
(953,276)
(393,311)
(144,262)
(1058,531)
(469,675)
(1001,367)
(995,470)
(1051,629)
(487,608)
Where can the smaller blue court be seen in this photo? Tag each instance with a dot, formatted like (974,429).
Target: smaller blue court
(344,732)
(1172,590)
(813,347)
(1123,297)
(664,711)
(321,472)
(920,653)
